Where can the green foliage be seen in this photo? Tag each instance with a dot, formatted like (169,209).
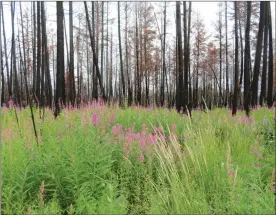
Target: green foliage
(217,165)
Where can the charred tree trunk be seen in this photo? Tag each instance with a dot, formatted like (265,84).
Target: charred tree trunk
(95,59)
(71,67)
(236,88)
(264,71)
(270,63)
(60,79)
(256,70)
(247,60)
(180,88)
(38,57)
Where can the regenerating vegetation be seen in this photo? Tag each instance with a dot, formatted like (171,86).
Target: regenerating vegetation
(106,160)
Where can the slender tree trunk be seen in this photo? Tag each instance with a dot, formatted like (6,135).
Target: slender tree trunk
(189,63)
(127,57)
(264,71)
(107,55)
(270,63)
(139,93)
(111,68)
(2,84)
(186,63)
(94,75)
(162,91)
(16,95)
(235,98)
(256,70)
(226,57)
(102,36)
(34,49)
(241,57)
(38,57)
(60,79)
(121,56)
(220,56)
(247,60)
(42,89)
(71,67)
(66,43)
(180,89)
(6,55)
(95,59)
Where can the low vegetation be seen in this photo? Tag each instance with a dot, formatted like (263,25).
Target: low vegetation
(106,160)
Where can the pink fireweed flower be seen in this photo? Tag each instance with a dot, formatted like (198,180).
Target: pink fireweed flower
(259,165)
(129,139)
(137,136)
(10,103)
(173,127)
(95,119)
(114,130)
(142,143)
(272,187)
(148,141)
(141,157)
(260,156)
(153,138)
(117,129)
(112,118)
(143,133)
(162,138)
(252,151)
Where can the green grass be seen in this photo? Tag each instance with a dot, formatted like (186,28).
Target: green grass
(218,164)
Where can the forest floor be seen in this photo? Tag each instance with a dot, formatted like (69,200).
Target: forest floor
(101,160)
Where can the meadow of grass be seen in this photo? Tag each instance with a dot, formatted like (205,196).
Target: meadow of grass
(102,160)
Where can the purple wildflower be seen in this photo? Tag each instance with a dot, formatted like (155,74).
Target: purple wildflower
(112,118)
(95,119)
(260,156)
(173,127)
(141,157)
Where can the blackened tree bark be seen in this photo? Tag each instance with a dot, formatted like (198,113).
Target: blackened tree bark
(189,61)
(2,69)
(102,36)
(256,70)
(60,79)
(6,55)
(247,60)
(226,57)
(236,88)
(95,59)
(138,75)
(94,74)
(34,49)
(186,61)
(121,56)
(71,67)
(127,57)
(180,88)
(264,70)
(16,94)
(48,84)
(38,57)
(270,63)
(162,90)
